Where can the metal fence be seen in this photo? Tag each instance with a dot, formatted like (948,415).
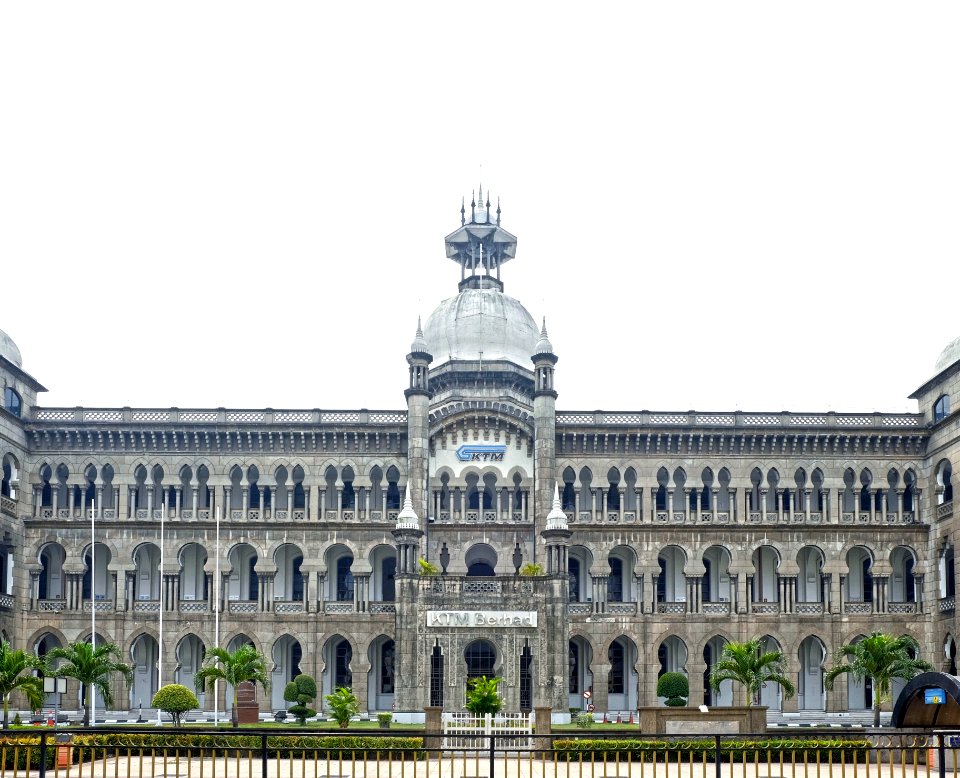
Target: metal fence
(303,753)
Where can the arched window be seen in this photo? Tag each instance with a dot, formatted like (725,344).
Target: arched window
(615,581)
(436,677)
(573,571)
(941,408)
(344,579)
(615,678)
(12,402)
(342,675)
(480,657)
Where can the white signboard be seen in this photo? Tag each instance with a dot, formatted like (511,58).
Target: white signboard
(481,618)
(483,457)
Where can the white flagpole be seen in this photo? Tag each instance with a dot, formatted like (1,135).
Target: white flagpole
(93,603)
(216,615)
(163,515)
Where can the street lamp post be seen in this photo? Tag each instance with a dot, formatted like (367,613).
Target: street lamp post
(57,686)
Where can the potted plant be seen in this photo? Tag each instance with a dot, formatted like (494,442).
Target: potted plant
(384,719)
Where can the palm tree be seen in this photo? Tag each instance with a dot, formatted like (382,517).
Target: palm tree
(748,664)
(13,663)
(881,658)
(91,666)
(244,664)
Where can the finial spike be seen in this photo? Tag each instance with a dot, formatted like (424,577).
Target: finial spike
(463,211)
(498,210)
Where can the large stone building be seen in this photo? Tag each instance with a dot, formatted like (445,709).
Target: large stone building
(660,535)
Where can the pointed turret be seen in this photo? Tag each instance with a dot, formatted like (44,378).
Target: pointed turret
(407,534)
(557,519)
(407,518)
(419,345)
(556,535)
(544,346)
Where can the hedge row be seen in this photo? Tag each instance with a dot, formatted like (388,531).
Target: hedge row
(827,748)
(316,746)
(21,752)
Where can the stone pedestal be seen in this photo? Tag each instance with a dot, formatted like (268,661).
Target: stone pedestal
(432,728)
(247,710)
(663,720)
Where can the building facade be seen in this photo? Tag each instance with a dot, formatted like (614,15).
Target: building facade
(396,551)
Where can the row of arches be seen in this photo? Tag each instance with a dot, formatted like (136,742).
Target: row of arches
(193,488)
(713,572)
(242,578)
(806,662)
(799,491)
(285,661)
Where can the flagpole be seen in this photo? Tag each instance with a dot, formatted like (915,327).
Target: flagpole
(93,603)
(163,514)
(216,615)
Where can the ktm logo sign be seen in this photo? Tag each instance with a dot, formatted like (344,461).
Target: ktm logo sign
(477,453)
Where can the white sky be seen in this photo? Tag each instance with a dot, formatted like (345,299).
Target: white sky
(718,205)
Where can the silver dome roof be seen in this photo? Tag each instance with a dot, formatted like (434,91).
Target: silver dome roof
(949,355)
(481,320)
(9,349)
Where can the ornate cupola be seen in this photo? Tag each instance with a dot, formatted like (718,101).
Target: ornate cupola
(480,246)
(407,534)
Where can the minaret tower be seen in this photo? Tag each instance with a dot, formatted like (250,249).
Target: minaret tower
(544,426)
(418,420)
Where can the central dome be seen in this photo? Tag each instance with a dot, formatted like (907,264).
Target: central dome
(481,320)
(9,349)
(949,355)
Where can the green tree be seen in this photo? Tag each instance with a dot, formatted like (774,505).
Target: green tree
(175,700)
(482,696)
(748,664)
(302,690)
(675,687)
(14,662)
(881,658)
(93,667)
(244,664)
(343,705)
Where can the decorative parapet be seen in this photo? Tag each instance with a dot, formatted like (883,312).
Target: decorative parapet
(214,416)
(785,420)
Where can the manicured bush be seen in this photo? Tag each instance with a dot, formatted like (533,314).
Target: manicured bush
(175,700)
(584,720)
(675,687)
(302,690)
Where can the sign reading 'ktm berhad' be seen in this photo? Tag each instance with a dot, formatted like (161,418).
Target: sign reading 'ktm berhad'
(481,618)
